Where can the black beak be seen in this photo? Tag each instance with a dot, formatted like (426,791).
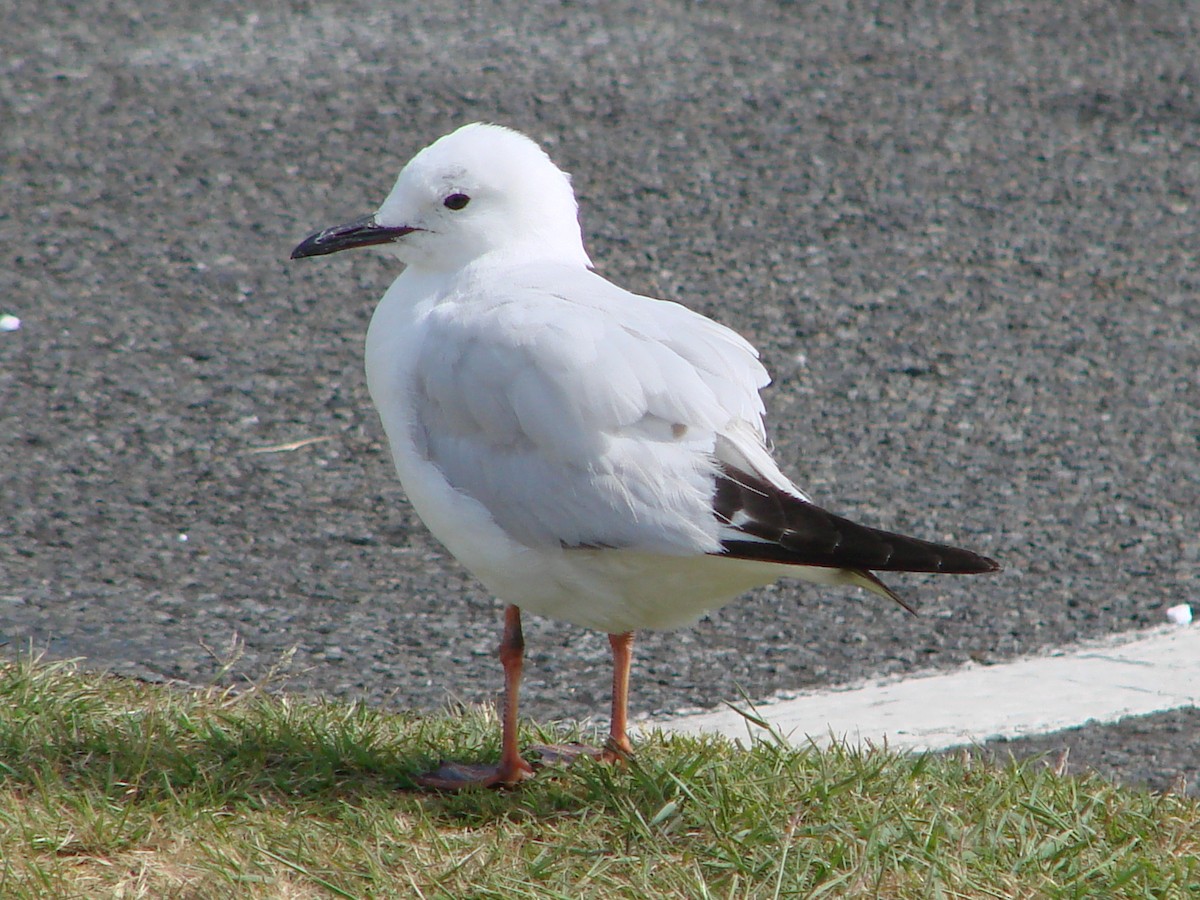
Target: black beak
(364,232)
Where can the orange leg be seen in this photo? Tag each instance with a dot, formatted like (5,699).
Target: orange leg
(617,747)
(512,657)
(622,655)
(512,768)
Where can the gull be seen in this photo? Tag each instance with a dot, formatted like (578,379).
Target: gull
(589,454)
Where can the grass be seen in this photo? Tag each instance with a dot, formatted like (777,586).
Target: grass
(114,788)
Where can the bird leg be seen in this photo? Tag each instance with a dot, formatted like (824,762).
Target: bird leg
(617,747)
(512,768)
(512,656)
(622,655)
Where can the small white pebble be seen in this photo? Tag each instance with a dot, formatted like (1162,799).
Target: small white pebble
(1180,615)
(182,538)
(9,322)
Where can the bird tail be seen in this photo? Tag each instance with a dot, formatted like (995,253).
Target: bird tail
(870,582)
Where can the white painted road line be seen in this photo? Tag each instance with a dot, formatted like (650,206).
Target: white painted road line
(1131,674)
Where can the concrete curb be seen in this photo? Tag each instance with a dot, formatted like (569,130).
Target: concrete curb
(1104,681)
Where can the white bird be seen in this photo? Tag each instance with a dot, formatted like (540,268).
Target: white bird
(587,453)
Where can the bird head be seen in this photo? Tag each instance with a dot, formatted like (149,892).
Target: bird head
(480,190)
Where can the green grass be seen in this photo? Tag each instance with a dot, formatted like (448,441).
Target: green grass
(113,788)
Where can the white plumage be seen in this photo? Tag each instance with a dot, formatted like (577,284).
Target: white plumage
(588,453)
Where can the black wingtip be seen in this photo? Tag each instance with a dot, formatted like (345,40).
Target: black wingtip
(985,565)
(785,528)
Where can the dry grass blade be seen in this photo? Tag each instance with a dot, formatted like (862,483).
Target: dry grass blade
(291,445)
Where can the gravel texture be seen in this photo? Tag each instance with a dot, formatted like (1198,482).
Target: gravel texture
(964,238)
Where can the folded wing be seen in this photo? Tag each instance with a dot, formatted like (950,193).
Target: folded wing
(581,415)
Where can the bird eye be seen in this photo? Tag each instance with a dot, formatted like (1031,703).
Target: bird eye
(456,201)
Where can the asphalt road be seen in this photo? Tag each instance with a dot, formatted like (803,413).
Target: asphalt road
(964,239)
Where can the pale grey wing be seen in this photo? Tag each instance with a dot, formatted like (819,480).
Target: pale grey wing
(573,426)
(721,358)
